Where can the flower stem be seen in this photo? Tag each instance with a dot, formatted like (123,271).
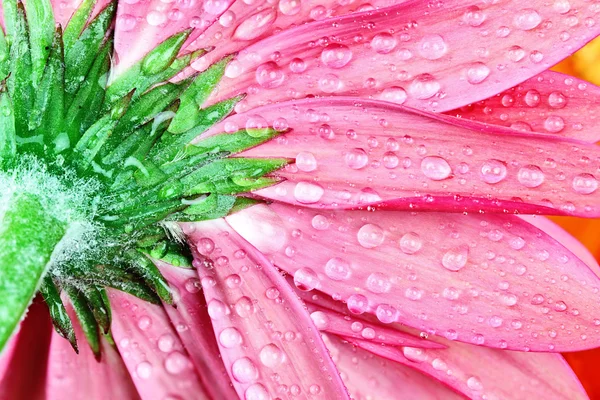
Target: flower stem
(28,236)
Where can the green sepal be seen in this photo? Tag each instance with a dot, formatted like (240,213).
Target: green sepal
(96,298)
(242,203)
(173,146)
(9,8)
(189,113)
(58,313)
(8,135)
(141,75)
(20,84)
(87,102)
(232,175)
(212,207)
(4,56)
(46,117)
(86,318)
(40,18)
(145,268)
(150,236)
(146,215)
(80,57)
(77,23)
(232,142)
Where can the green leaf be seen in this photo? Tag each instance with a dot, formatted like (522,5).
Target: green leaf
(145,268)
(87,102)
(60,318)
(85,317)
(189,113)
(40,19)
(9,8)
(80,57)
(4,56)
(232,142)
(77,23)
(20,84)
(173,146)
(28,236)
(8,135)
(143,74)
(96,299)
(46,117)
(213,207)
(118,279)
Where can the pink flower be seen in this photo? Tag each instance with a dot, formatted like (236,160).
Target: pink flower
(364,211)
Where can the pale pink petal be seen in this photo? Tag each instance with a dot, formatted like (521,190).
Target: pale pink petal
(23,365)
(352,153)
(551,103)
(481,373)
(491,280)
(198,338)
(564,238)
(368,376)
(63,10)
(80,376)
(142,331)
(262,329)
(424,56)
(245,23)
(142,25)
(327,320)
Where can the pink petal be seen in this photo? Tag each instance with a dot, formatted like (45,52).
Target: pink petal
(262,328)
(199,339)
(245,23)
(152,351)
(550,103)
(63,10)
(23,364)
(142,25)
(414,53)
(481,373)
(368,376)
(80,377)
(342,324)
(492,280)
(351,153)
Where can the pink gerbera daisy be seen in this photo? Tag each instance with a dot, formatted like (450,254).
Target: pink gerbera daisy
(295,199)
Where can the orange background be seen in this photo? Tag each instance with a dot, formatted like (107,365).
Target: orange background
(585,64)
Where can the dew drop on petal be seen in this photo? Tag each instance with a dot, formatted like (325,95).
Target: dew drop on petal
(370,236)
(308,192)
(230,338)
(414,354)
(410,243)
(336,56)
(383,43)
(306,279)
(432,47)
(530,176)
(271,356)
(357,304)
(306,161)
(356,158)
(394,94)
(435,168)
(244,370)
(424,87)
(527,19)
(456,258)
(493,171)
(474,383)
(338,269)
(585,184)
(256,392)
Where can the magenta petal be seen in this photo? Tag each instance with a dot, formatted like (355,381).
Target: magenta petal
(481,373)
(550,103)
(152,352)
(80,376)
(414,53)
(491,280)
(23,364)
(261,326)
(142,25)
(352,153)
(368,376)
(198,338)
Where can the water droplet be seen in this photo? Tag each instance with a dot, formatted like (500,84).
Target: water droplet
(338,269)
(456,258)
(432,47)
(562,6)
(244,370)
(217,309)
(439,364)
(585,184)
(233,281)
(320,319)
(410,243)
(166,342)
(557,100)
(378,283)
(370,236)
(176,363)
(255,25)
(493,171)
(414,354)
(297,65)
(306,279)
(477,73)
(394,94)
(215,7)
(527,19)
(356,158)
(357,304)
(474,383)
(537,299)
(560,306)
(126,22)
(336,56)
(156,18)
(271,356)
(308,192)
(386,313)
(144,370)
(474,16)
(269,75)
(329,83)
(230,338)
(516,53)
(244,307)
(290,7)
(495,321)
(424,86)
(451,293)
(306,161)
(257,392)
(383,43)
(205,246)
(436,168)
(144,322)
(554,124)
(413,293)
(530,176)
(192,285)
